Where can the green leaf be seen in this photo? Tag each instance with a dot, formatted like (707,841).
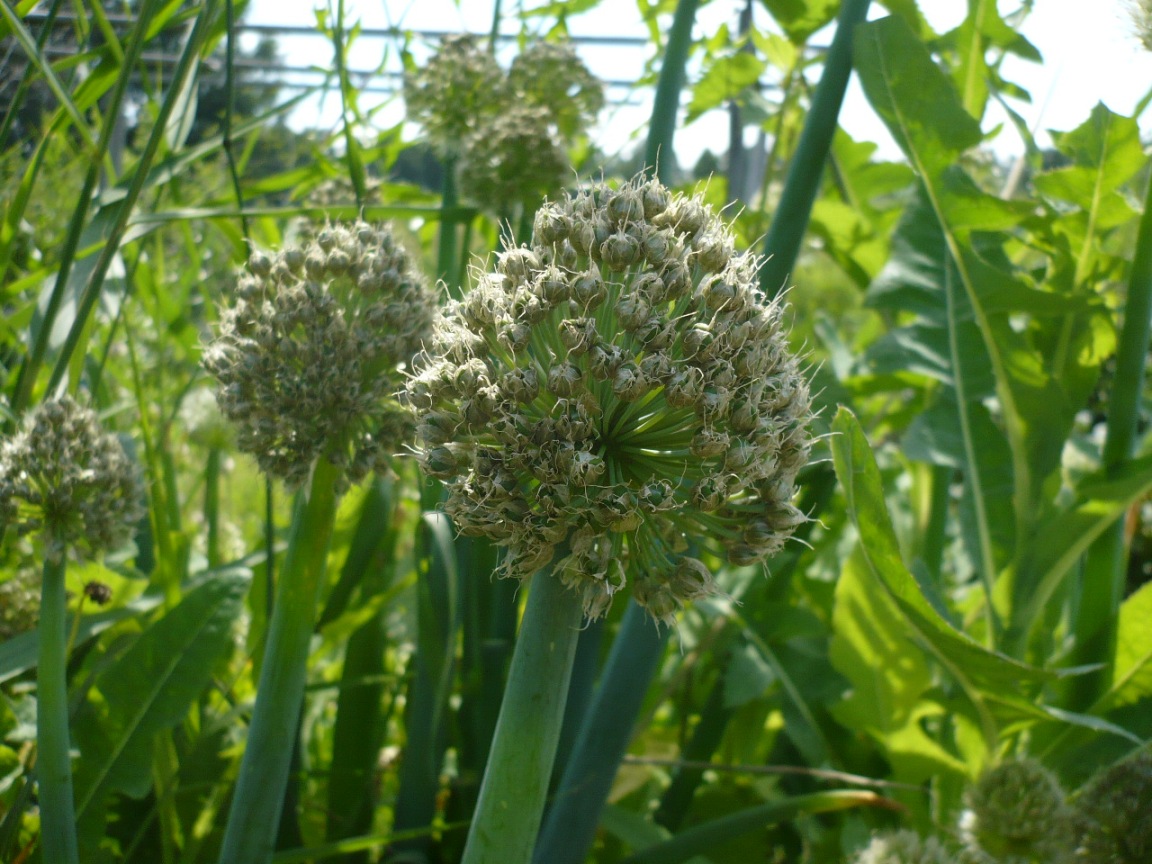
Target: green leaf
(870,648)
(1132,677)
(1059,541)
(974,667)
(911,94)
(724,79)
(799,19)
(147,689)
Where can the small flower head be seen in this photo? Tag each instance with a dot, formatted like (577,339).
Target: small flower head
(552,76)
(613,392)
(64,476)
(459,87)
(306,360)
(515,159)
(1017,814)
(903,847)
(1114,814)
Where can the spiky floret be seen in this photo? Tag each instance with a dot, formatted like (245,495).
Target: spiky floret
(613,393)
(307,360)
(66,477)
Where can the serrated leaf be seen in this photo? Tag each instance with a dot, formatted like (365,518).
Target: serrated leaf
(914,98)
(147,689)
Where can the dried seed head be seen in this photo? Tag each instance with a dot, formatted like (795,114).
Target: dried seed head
(64,476)
(646,428)
(1017,809)
(307,364)
(1113,820)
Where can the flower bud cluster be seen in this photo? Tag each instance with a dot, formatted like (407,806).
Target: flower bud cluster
(614,394)
(514,159)
(307,360)
(460,86)
(903,847)
(1114,814)
(1017,813)
(509,132)
(64,476)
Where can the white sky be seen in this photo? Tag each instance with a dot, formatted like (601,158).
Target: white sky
(1089,49)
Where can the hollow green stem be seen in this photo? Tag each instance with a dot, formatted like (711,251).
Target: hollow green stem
(659,158)
(782,245)
(507,817)
(1104,565)
(255,813)
(53,763)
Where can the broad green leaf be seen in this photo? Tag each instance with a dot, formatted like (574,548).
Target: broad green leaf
(1060,540)
(799,19)
(725,79)
(912,95)
(870,647)
(975,668)
(147,689)
(749,677)
(1132,677)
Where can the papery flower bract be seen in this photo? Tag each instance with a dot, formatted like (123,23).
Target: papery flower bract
(514,159)
(307,359)
(63,475)
(615,393)
(455,92)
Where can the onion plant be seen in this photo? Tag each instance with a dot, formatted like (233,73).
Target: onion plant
(65,478)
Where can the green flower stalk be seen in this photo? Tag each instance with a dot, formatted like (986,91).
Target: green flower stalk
(1017,815)
(1113,821)
(903,847)
(67,479)
(610,393)
(307,363)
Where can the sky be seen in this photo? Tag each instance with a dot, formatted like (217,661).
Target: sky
(1090,55)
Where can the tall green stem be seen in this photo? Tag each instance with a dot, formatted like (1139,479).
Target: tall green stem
(659,158)
(53,763)
(1104,566)
(792,213)
(255,812)
(507,817)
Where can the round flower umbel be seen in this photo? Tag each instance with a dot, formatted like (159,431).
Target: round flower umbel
(63,475)
(515,159)
(552,76)
(614,395)
(455,92)
(307,359)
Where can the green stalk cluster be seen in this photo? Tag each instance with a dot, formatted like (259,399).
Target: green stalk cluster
(613,391)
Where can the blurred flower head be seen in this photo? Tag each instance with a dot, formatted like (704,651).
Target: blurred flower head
(66,477)
(903,847)
(455,92)
(1114,814)
(515,159)
(307,359)
(550,75)
(1017,815)
(614,395)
